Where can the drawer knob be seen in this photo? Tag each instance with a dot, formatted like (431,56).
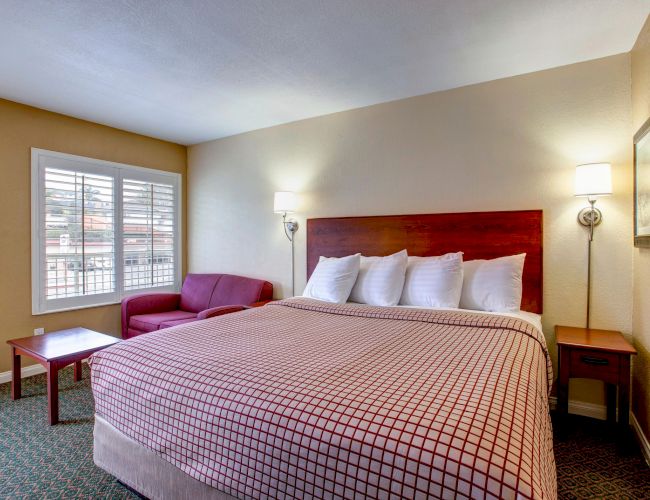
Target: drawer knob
(591,360)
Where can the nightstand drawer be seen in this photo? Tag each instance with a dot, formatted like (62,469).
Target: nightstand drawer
(588,363)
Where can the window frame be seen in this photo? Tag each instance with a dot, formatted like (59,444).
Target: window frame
(118,171)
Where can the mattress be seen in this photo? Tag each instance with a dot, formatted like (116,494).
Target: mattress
(304,399)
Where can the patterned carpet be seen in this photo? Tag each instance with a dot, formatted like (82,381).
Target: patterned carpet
(588,465)
(39,461)
(42,461)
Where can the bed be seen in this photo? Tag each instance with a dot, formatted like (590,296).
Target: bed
(303,399)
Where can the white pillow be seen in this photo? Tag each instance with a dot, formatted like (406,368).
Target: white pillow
(333,278)
(380,280)
(493,285)
(433,281)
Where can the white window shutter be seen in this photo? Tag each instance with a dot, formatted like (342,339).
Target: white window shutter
(149,214)
(78,234)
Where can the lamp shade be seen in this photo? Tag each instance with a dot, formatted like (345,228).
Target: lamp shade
(284,202)
(593,179)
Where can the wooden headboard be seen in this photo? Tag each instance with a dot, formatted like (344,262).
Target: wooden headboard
(480,235)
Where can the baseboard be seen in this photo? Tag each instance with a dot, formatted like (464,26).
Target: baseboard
(584,409)
(27,371)
(643,439)
(600,412)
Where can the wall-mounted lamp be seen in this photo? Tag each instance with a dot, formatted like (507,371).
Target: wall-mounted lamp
(592,180)
(284,202)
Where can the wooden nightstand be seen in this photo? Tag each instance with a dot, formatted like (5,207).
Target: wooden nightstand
(597,354)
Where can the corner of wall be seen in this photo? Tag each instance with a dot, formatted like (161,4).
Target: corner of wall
(640,97)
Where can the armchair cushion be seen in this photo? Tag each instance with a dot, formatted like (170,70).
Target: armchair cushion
(152,322)
(197,291)
(175,322)
(231,289)
(147,303)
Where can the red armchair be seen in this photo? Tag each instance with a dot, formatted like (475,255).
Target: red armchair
(202,296)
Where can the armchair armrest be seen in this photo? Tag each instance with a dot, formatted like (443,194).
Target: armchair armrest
(219,310)
(146,304)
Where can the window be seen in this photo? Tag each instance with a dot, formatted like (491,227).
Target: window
(101,231)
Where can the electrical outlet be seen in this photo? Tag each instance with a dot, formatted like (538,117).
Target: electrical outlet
(39,331)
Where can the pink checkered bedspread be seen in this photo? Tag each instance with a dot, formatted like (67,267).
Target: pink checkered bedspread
(303,399)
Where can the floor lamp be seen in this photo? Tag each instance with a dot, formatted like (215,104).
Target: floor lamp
(592,180)
(284,202)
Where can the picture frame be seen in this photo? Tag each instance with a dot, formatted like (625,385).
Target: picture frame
(642,186)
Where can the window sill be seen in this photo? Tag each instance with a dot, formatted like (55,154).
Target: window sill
(75,308)
(108,300)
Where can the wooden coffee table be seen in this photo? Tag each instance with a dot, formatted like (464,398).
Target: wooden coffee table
(54,351)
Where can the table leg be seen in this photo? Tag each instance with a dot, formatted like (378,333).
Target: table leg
(624,393)
(611,402)
(77,371)
(563,382)
(53,393)
(15,375)
(625,439)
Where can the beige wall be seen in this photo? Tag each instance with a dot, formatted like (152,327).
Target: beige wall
(502,145)
(21,128)
(641,367)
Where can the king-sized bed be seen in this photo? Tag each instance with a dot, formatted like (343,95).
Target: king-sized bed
(303,398)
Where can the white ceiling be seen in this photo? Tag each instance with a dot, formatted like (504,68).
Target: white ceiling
(194,70)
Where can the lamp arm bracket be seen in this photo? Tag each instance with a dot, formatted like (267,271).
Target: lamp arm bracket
(584,216)
(290,227)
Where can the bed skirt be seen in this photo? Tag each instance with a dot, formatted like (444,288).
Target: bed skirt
(143,470)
